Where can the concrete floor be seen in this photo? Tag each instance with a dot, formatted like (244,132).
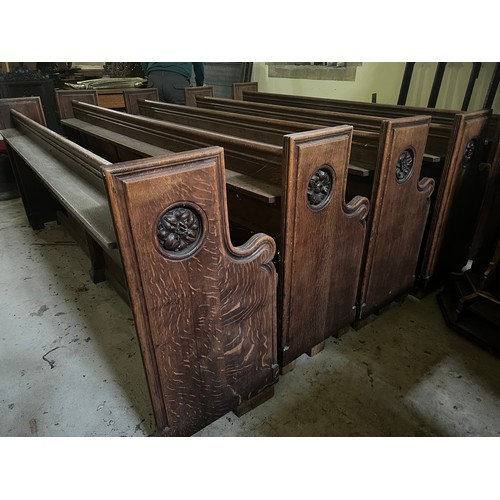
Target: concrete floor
(70,363)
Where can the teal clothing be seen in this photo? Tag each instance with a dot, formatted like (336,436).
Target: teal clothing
(182,68)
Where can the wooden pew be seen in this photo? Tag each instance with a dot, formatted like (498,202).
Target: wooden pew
(364,155)
(204,309)
(372,294)
(471,132)
(318,269)
(459,180)
(128,97)
(385,240)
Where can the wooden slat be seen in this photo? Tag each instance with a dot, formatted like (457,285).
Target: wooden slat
(89,205)
(256,188)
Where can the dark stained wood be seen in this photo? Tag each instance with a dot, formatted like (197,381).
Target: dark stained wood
(192,92)
(322,246)
(390,242)
(447,240)
(65,97)
(205,314)
(131,97)
(400,205)
(239,87)
(482,243)
(326,266)
(377,287)
(458,201)
(470,301)
(250,94)
(28,106)
(33,86)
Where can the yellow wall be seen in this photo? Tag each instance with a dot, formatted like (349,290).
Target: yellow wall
(384,79)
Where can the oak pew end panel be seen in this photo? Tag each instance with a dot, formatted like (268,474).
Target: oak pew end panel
(239,87)
(205,310)
(321,229)
(64,98)
(452,225)
(400,202)
(131,98)
(226,321)
(191,93)
(482,244)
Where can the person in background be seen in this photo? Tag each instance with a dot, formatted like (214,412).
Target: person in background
(171,78)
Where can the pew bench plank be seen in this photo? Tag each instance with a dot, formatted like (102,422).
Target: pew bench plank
(85,202)
(250,186)
(115,137)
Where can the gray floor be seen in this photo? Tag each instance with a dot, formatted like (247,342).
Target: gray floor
(70,364)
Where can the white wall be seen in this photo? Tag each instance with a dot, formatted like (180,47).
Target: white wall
(384,79)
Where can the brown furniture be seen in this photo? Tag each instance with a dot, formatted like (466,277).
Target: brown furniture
(384,166)
(122,99)
(112,98)
(33,86)
(470,301)
(280,189)
(204,309)
(462,141)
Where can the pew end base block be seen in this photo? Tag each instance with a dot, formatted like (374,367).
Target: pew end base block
(340,333)
(362,321)
(254,401)
(288,368)
(316,349)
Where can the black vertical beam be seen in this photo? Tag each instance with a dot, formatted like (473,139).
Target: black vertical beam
(405,84)
(436,85)
(492,91)
(476,67)
(246,71)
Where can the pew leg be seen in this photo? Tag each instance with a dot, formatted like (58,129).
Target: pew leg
(341,332)
(316,349)
(360,323)
(36,223)
(97,267)
(255,401)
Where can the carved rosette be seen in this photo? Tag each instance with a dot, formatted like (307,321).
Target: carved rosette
(319,188)
(404,166)
(179,230)
(469,153)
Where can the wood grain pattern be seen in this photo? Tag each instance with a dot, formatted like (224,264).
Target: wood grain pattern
(453,232)
(322,248)
(28,106)
(392,251)
(65,97)
(207,319)
(397,220)
(239,87)
(131,97)
(451,229)
(192,92)
(335,227)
